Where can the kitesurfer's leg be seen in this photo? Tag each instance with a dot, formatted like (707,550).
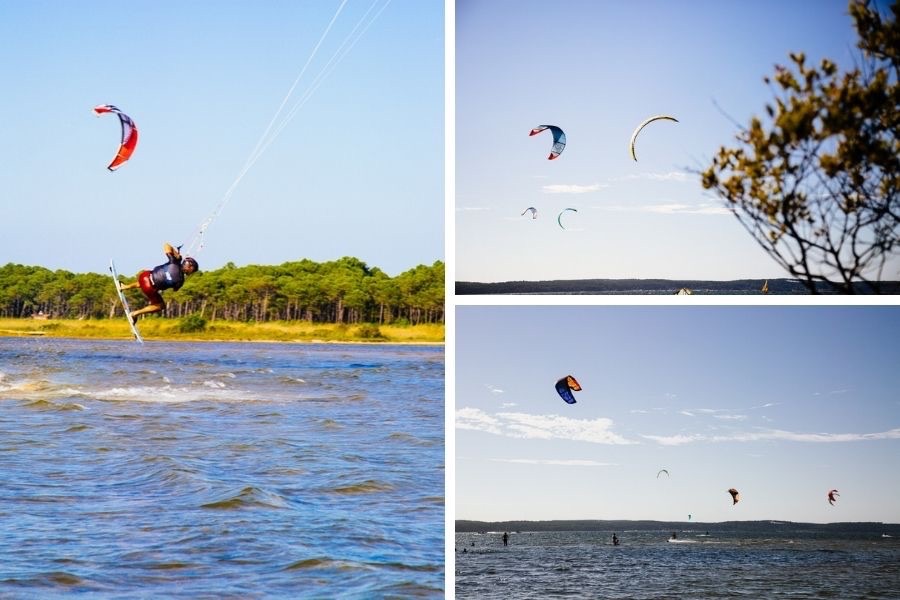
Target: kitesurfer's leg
(150,308)
(141,280)
(154,298)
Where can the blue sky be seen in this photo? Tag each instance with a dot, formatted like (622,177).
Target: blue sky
(357,171)
(597,69)
(782,403)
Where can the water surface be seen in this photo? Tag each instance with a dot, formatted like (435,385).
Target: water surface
(220,470)
(727,562)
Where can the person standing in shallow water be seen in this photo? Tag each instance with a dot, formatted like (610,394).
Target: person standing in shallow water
(615,540)
(505,538)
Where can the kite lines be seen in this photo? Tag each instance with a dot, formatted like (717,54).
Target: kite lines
(283,117)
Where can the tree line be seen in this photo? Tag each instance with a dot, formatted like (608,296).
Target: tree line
(341,291)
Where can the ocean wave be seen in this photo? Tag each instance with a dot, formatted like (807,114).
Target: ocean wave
(52,406)
(43,393)
(370,486)
(169,394)
(154,475)
(77,428)
(324,562)
(406,438)
(248,497)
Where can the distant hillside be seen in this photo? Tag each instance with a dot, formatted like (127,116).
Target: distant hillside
(652,286)
(874,528)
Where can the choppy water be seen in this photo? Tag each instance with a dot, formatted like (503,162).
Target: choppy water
(220,470)
(726,564)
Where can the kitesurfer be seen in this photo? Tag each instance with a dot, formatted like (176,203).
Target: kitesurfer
(163,277)
(615,540)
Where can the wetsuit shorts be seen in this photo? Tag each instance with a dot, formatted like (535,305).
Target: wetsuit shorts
(151,292)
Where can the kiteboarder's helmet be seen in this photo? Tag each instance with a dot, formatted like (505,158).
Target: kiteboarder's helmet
(193,264)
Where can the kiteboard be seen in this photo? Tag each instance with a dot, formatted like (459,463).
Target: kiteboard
(124,301)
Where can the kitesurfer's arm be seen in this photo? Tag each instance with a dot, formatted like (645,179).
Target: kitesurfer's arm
(169,250)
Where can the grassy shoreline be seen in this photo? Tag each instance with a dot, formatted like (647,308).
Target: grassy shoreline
(164,329)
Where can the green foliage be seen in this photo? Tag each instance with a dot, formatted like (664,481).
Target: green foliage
(323,333)
(369,332)
(191,324)
(817,184)
(345,291)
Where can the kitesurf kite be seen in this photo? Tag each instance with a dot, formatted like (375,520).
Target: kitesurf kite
(559,139)
(735,496)
(559,217)
(533,212)
(565,386)
(831,496)
(644,124)
(661,471)
(129,135)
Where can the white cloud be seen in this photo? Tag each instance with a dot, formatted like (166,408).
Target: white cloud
(686,209)
(893,434)
(671,208)
(675,440)
(775,434)
(477,420)
(562,188)
(647,411)
(831,392)
(494,390)
(546,427)
(728,414)
(679,176)
(564,463)
(556,427)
